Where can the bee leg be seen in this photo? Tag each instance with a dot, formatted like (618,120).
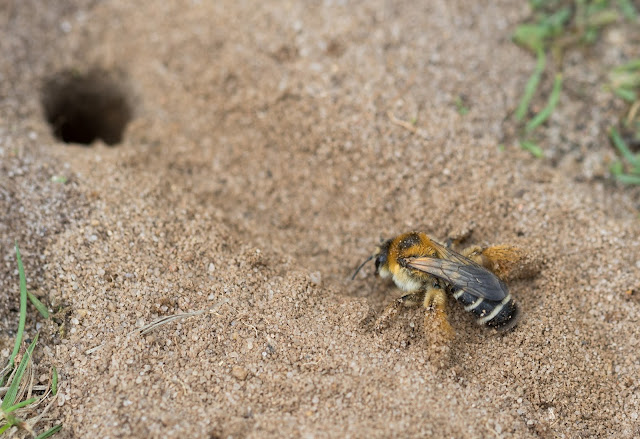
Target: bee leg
(435,303)
(506,262)
(453,242)
(391,310)
(475,254)
(478,255)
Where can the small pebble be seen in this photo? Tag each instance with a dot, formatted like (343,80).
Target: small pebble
(239,372)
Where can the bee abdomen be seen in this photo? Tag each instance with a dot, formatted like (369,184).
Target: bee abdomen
(496,314)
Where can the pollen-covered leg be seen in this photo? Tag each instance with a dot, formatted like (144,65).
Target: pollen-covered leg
(391,311)
(507,262)
(475,254)
(436,321)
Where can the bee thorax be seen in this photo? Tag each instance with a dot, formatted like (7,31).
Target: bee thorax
(406,282)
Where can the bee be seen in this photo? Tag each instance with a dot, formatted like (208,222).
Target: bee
(426,271)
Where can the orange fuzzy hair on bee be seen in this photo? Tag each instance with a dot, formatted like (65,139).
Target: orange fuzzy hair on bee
(505,261)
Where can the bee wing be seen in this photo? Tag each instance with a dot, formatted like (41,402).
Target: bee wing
(450,255)
(472,278)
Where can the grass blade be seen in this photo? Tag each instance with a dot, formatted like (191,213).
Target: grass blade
(463,110)
(544,114)
(530,36)
(616,168)
(621,145)
(627,9)
(54,381)
(23,310)
(628,179)
(600,19)
(532,148)
(11,394)
(50,432)
(625,79)
(21,404)
(42,309)
(554,24)
(531,87)
(628,67)
(625,94)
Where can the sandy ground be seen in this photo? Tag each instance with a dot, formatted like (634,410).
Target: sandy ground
(265,161)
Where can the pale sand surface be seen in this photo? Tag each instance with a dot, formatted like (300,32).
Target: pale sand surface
(264,162)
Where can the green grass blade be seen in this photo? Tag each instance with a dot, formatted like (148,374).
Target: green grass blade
(616,168)
(628,179)
(12,392)
(625,79)
(39,305)
(554,24)
(59,179)
(626,94)
(544,114)
(54,381)
(21,404)
(621,145)
(538,4)
(602,18)
(627,9)
(23,308)
(628,67)
(532,148)
(12,420)
(531,87)
(50,432)
(463,110)
(530,36)
(5,427)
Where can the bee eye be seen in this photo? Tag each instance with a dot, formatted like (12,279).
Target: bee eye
(381,259)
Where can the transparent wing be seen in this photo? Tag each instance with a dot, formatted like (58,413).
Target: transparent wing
(450,255)
(464,274)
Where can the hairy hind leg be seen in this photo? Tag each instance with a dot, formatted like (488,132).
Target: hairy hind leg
(504,260)
(474,253)
(435,320)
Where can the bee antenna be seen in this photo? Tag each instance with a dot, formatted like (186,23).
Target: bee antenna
(362,265)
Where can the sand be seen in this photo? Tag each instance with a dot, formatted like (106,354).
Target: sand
(271,148)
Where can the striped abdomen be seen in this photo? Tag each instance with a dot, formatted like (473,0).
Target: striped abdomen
(496,314)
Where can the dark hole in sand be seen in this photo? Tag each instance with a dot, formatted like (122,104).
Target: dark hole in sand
(82,108)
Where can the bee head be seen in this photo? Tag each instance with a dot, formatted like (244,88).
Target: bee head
(382,258)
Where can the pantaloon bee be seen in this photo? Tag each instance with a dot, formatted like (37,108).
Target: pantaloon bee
(427,271)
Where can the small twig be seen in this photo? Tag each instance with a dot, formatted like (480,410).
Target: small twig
(250,326)
(164,320)
(491,429)
(403,123)
(167,319)
(633,111)
(185,389)
(93,349)
(33,421)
